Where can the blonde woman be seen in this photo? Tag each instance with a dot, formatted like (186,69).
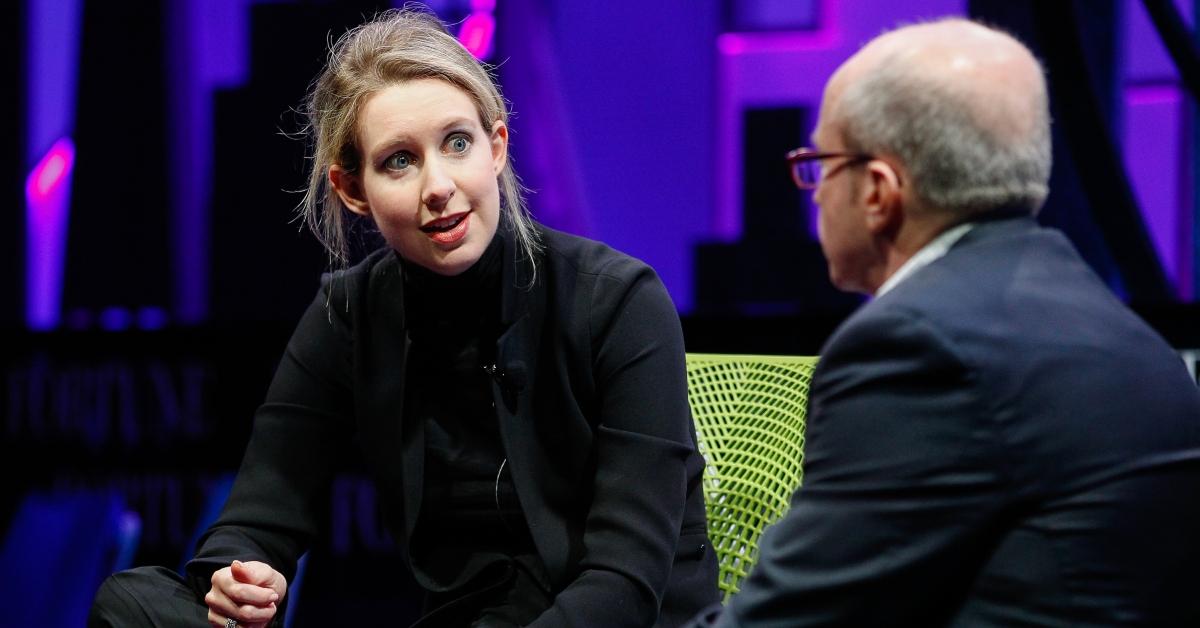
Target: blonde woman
(518,393)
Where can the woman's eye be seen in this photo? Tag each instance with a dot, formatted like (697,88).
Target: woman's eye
(458,143)
(399,161)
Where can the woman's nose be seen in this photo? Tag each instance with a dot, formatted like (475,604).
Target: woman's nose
(439,185)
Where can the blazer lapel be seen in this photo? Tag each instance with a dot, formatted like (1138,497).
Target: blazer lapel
(523,311)
(385,372)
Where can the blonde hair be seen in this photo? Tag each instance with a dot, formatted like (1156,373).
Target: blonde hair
(396,46)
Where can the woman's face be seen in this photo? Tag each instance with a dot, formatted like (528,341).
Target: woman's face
(429,174)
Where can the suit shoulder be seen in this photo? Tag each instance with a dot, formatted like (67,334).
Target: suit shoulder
(344,286)
(888,322)
(584,256)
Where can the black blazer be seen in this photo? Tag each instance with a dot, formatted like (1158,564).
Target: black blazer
(592,410)
(996,442)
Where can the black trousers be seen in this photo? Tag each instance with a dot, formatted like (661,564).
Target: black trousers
(508,595)
(147,597)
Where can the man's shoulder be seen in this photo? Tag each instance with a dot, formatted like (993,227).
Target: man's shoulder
(994,269)
(998,279)
(883,326)
(1009,295)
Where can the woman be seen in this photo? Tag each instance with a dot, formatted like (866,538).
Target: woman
(518,393)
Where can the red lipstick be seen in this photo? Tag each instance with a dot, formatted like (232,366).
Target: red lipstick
(449,230)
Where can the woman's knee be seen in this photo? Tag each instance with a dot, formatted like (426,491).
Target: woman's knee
(134,596)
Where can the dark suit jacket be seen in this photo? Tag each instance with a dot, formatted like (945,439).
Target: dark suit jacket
(593,414)
(996,442)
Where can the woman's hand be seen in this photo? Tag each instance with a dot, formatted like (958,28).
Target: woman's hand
(245,593)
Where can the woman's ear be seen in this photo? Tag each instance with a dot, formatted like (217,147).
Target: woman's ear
(499,142)
(349,188)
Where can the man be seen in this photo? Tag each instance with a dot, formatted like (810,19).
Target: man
(994,440)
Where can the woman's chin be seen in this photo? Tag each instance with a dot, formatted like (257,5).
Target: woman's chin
(454,262)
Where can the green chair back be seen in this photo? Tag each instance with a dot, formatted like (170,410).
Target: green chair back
(749,412)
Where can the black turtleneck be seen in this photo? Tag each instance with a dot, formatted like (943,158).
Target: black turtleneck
(470,516)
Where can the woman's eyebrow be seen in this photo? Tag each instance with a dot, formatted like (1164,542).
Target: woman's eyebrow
(457,121)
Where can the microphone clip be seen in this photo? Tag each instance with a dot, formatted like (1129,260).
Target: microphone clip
(509,383)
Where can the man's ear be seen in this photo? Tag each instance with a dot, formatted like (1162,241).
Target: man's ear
(499,141)
(883,196)
(349,188)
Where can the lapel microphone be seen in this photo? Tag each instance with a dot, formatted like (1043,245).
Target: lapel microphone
(511,379)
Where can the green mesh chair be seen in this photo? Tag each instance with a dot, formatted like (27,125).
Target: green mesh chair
(749,412)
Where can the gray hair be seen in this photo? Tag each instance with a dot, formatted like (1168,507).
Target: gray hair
(938,128)
(396,46)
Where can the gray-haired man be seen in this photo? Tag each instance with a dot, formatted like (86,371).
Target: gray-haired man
(994,439)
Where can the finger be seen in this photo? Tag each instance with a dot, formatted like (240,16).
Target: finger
(219,604)
(253,572)
(243,572)
(239,593)
(222,605)
(259,573)
(252,594)
(216,620)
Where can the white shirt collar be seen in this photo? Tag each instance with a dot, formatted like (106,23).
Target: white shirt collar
(929,253)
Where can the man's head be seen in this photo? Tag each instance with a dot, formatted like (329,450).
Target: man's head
(956,117)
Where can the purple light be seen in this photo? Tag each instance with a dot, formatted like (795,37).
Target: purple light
(152,318)
(782,42)
(1141,95)
(116,319)
(52,59)
(1155,158)
(1155,144)
(52,49)
(750,67)
(209,49)
(789,68)
(476,34)
(51,171)
(47,199)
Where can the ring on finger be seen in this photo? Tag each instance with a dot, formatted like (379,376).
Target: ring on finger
(230,623)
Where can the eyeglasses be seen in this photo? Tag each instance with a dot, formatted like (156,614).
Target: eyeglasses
(807,166)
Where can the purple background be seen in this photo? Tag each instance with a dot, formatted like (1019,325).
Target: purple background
(627,118)
(628,127)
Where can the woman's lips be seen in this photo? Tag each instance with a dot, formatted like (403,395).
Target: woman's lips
(448,231)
